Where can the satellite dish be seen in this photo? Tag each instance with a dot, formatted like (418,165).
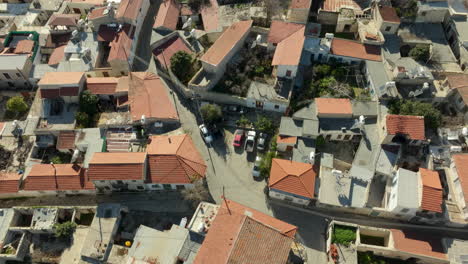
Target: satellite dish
(30,37)
(143,119)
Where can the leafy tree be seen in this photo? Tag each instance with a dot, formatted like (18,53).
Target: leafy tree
(420,52)
(432,116)
(88,103)
(64,230)
(197,194)
(265,124)
(181,65)
(82,119)
(211,113)
(369,258)
(322,70)
(17,105)
(265,164)
(343,235)
(243,121)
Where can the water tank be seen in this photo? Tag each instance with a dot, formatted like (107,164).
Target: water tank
(455,149)
(329,36)
(465,131)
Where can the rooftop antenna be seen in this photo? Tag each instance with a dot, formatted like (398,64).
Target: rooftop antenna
(225,201)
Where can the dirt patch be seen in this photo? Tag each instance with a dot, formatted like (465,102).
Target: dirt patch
(6,157)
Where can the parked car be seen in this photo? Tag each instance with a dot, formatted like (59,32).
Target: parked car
(239,135)
(261,141)
(206,134)
(250,141)
(256,167)
(234,109)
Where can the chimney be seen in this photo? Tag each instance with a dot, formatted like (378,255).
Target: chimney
(169,138)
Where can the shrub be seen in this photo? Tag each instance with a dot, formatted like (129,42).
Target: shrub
(265,165)
(432,116)
(181,66)
(82,119)
(243,121)
(211,113)
(88,103)
(265,124)
(17,105)
(64,230)
(322,70)
(343,235)
(420,52)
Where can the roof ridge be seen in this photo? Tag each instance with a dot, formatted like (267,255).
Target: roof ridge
(282,169)
(182,142)
(303,184)
(244,217)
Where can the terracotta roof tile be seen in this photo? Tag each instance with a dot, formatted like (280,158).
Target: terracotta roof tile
(117,166)
(57,55)
(102,85)
(165,52)
(43,177)
(64,19)
(122,85)
(174,159)
(300,4)
(286,139)
(128,9)
(168,15)
(412,126)
(461,164)
(389,14)
(223,45)
(66,140)
(289,51)
(60,78)
(24,46)
(354,49)
(120,46)
(228,236)
(97,13)
(280,30)
(432,196)
(336,5)
(333,106)
(293,177)
(209,14)
(459,81)
(148,96)
(57,39)
(9,182)
(418,243)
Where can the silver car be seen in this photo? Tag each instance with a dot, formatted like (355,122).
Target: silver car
(256,167)
(206,134)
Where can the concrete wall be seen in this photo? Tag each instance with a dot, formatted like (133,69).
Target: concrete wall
(393,205)
(327,18)
(457,189)
(283,146)
(267,105)
(18,77)
(288,197)
(344,21)
(298,15)
(162,187)
(431,15)
(133,185)
(84,7)
(281,71)
(383,25)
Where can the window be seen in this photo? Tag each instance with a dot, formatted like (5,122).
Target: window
(460,99)
(7,76)
(105,74)
(167,187)
(119,182)
(140,188)
(404,210)
(155,186)
(106,188)
(288,73)
(102,181)
(328,137)
(180,187)
(387,29)
(276,106)
(122,73)
(346,137)
(338,137)
(18,75)
(287,198)
(423,13)
(133,180)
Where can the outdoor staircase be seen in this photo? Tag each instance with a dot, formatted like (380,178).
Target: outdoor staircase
(118,141)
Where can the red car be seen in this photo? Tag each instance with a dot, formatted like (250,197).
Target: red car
(239,135)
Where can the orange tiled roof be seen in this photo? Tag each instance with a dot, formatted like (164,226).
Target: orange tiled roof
(336,5)
(60,78)
(24,46)
(168,15)
(389,14)
(226,42)
(57,55)
(102,85)
(354,49)
(148,96)
(174,159)
(293,177)
(432,197)
(117,166)
(412,126)
(129,9)
(280,30)
(418,243)
(461,164)
(97,13)
(333,106)
(43,177)
(165,52)
(9,182)
(288,51)
(300,4)
(120,46)
(64,19)
(66,140)
(286,139)
(234,237)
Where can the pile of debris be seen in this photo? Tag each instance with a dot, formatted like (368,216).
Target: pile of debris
(5,158)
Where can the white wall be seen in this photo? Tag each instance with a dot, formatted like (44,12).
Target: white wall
(458,191)
(283,196)
(393,205)
(282,69)
(160,187)
(267,105)
(132,184)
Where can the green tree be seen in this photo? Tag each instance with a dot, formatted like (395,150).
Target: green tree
(211,113)
(322,70)
(88,103)
(265,124)
(181,65)
(82,119)
(243,121)
(265,165)
(17,105)
(64,230)
(420,52)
